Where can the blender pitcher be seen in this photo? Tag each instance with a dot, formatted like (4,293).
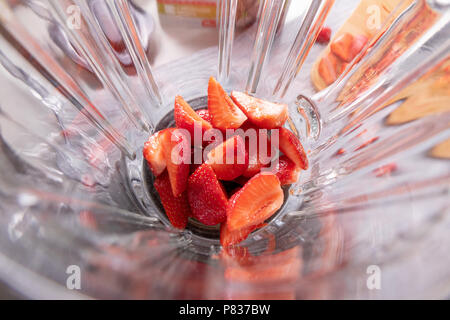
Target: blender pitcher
(81,98)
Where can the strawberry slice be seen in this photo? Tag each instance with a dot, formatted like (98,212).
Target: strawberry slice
(286,171)
(327,68)
(153,153)
(324,35)
(224,113)
(186,117)
(207,196)
(258,200)
(293,149)
(177,153)
(230,238)
(358,44)
(176,208)
(264,114)
(342,47)
(229,160)
(204,114)
(255,139)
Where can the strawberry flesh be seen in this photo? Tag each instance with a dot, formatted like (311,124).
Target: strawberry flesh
(224,113)
(286,171)
(358,44)
(153,153)
(342,47)
(257,201)
(204,114)
(177,208)
(177,153)
(207,197)
(327,68)
(229,160)
(187,118)
(264,114)
(230,238)
(293,149)
(255,140)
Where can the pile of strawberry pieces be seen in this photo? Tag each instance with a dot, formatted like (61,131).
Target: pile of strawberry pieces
(189,189)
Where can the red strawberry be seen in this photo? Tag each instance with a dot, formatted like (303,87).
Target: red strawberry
(324,35)
(255,140)
(207,196)
(224,113)
(186,118)
(286,171)
(358,44)
(264,114)
(229,160)
(230,238)
(258,200)
(204,114)
(177,153)
(153,153)
(292,148)
(176,208)
(342,47)
(196,161)
(328,67)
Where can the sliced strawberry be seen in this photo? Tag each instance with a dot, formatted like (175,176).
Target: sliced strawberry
(204,114)
(264,114)
(229,160)
(327,68)
(286,171)
(342,47)
(255,139)
(358,44)
(177,153)
(293,149)
(196,161)
(224,113)
(176,208)
(258,200)
(341,68)
(153,153)
(186,117)
(207,196)
(230,238)
(324,35)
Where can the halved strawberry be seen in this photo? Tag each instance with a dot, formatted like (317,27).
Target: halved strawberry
(186,117)
(258,200)
(230,238)
(286,171)
(177,153)
(292,148)
(328,67)
(224,113)
(264,114)
(342,47)
(204,114)
(153,153)
(207,196)
(229,160)
(177,208)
